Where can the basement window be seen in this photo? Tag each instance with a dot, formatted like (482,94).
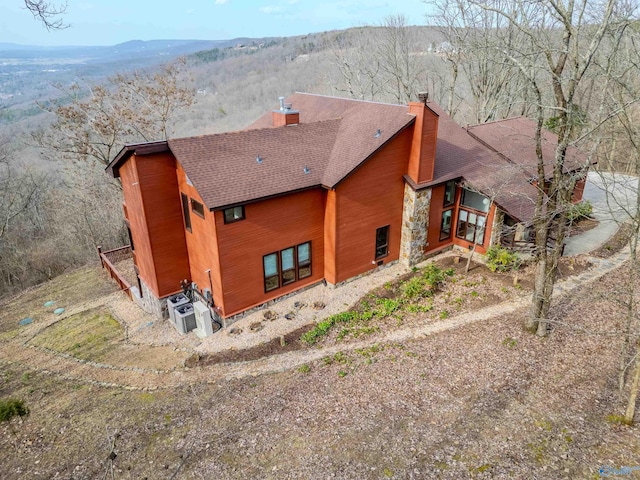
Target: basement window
(234,214)
(197,208)
(382,242)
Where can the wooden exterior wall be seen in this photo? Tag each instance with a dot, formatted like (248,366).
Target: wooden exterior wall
(423,148)
(370,198)
(578,191)
(150,188)
(202,243)
(269,226)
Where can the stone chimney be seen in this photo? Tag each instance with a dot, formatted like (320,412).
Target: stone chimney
(423,146)
(285,115)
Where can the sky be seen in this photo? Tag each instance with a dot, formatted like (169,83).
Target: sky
(109,22)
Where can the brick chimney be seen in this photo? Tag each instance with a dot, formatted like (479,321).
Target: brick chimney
(423,146)
(285,116)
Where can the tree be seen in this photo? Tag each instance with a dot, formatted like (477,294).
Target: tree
(475,38)
(403,72)
(382,63)
(558,49)
(130,108)
(621,151)
(47,13)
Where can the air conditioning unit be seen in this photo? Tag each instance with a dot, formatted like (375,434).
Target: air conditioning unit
(173,302)
(203,319)
(185,318)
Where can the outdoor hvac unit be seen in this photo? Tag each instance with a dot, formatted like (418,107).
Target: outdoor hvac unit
(203,319)
(185,318)
(173,302)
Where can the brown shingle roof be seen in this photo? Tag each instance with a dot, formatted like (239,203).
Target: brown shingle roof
(336,135)
(356,140)
(460,155)
(515,139)
(225,170)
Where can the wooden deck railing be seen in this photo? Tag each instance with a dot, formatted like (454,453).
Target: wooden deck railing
(110,258)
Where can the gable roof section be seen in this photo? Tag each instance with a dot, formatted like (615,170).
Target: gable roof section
(356,140)
(515,139)
(225,170)
(460,155)
(135,148)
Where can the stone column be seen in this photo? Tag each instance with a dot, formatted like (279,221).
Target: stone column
(415,223)
(496,230)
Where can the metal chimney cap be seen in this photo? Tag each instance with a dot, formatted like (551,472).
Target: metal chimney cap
(281,99)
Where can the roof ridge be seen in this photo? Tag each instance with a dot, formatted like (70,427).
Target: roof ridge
(498,121)
(356,100)
(253,130)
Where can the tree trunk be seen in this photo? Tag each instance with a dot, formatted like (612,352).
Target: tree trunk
(538,308)
(633,395)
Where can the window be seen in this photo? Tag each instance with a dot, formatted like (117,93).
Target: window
(197,208)
(185,211)
(471,226)
(304,260)
(234,214)
(382,242)
(445,225)
(449,193)
(287,266)
(271,275)
(475,200)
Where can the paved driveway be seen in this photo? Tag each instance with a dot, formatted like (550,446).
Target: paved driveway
(614,200)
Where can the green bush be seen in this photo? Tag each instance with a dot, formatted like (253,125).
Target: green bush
(386,306)
(415,288)
(10,408)
(501,260)
(324,326)
(579,211)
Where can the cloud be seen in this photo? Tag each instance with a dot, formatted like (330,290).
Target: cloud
(191,11)
(221,2)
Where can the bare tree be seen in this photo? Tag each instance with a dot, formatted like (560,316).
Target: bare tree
(138,107)
(403,72)
(561,41)
(383,63)
(47,13)
(358,67)
(475,38)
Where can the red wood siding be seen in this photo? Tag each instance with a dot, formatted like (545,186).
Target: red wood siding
(165,245)
(269,226)
(578,191)
(202,243)
(330,237)
(423,147)
(370,198)
(143,257)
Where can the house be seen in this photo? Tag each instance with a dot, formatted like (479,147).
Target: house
(321,189)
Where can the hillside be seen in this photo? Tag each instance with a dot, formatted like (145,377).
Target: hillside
(469,396)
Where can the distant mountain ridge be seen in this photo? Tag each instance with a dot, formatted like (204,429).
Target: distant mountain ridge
(129,49)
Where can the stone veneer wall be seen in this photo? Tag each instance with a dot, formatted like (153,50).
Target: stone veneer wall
(496,230)
(149,302)
(415,223)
